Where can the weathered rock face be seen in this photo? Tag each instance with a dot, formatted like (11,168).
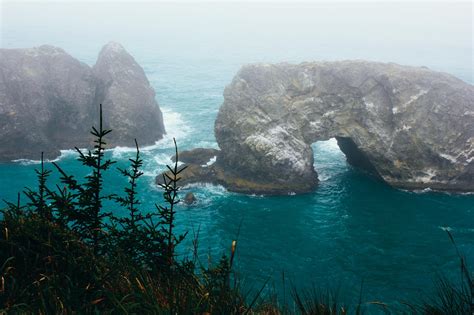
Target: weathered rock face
(412,126)
(49,101)
(198,156)
(127,98)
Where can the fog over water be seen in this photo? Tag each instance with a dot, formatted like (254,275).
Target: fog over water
(434,34)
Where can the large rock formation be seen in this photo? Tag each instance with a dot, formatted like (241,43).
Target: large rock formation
(411,126)
(49,101)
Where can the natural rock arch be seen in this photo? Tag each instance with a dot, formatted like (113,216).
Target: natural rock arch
(412,126)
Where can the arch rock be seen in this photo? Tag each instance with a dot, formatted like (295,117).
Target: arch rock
(411,126)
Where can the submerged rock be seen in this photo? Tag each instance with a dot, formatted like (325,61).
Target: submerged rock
(189,198)
(411,126)
(49,101)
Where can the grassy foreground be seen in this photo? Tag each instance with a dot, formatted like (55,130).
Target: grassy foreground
(64,253)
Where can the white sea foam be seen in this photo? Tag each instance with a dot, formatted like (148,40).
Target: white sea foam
(430,190)
(328,159)
(210,162)
(330,145)
(257,196)
(420,191)
(176,127)
(162,159)
(210,188)
(27,162)
(63,154)
(156,164)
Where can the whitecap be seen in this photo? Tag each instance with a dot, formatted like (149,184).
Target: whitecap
(329,145)
(156,164)
(120,152)
(26,161)
(162,159)
(213,189)
(63,155)
(176,127)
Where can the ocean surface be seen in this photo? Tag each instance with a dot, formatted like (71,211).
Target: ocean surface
(352,229)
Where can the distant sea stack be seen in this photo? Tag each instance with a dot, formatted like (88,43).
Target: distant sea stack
(411,126)
(49,101)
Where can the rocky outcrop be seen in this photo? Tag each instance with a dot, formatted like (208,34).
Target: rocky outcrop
(128,99)
(189,198)
(411,126)
(199,169)
(49,101)
(198,156)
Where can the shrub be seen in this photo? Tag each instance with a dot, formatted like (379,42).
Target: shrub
(63,252)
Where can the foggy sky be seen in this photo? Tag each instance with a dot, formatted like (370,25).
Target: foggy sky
(434,34)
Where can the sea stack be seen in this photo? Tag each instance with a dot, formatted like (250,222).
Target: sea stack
(49,101)
(411,126)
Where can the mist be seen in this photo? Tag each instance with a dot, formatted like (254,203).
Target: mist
(433,34)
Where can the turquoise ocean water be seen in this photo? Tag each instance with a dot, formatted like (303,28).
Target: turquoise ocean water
(352,228)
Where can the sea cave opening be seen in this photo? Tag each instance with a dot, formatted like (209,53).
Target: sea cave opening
(337,155)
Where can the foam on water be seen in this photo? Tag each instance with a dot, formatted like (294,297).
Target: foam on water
(176,127)
(328,159)
(210,162)
(26,162)
(64,154)
(212,189)
(156,164)
(162,159)
(329,145)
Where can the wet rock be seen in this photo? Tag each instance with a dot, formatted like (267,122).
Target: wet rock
(412,126)
(198,156)
(49,100)
(189,198)
(218,174)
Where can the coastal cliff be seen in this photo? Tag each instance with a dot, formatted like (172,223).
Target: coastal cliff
(48,100)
